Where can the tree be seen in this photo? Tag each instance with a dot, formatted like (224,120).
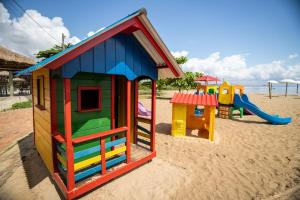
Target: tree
(181,60)
(50,52)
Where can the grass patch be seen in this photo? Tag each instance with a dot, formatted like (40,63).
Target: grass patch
(25,104)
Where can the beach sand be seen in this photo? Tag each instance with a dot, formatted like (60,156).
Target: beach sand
(249,159)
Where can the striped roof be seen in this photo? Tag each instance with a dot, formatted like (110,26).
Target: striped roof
(193,99)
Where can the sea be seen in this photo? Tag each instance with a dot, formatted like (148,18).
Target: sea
(277,89)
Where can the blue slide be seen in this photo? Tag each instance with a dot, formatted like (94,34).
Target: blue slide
(243,101)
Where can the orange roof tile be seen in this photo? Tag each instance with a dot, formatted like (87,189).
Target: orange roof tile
(207,78)
(193,99)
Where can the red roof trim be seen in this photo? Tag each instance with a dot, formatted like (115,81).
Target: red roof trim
(125,26)
(156,46)
(193,99)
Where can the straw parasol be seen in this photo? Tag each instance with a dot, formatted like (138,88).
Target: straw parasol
(270,83)
(11,62)
(17,79)
(287,81)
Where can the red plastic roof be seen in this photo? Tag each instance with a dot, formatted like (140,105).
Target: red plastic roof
(194,99)
(207,78)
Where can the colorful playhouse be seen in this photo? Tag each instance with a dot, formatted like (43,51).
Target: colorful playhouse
(184,115)
(85,104)
(205,84)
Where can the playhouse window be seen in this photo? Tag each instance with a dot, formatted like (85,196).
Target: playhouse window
(224,91)
(89,98)
(40,92)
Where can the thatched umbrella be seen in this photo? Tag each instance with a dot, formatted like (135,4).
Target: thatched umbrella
(12,62)
(270,83)
(17,79)
(287,81)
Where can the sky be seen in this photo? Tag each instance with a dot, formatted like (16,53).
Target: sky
(235,40)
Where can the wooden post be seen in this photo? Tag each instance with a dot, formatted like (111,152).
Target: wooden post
(53,121)
(68,135)
(11,84)
(128,115)
(270,90)
(286,87)
(63,41)
(136,99)
(153,114)
(103,161)
(112,121)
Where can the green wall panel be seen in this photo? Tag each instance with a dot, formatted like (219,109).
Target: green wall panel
(85,123)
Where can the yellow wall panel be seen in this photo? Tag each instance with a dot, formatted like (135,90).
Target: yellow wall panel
(179,120)
(42,119)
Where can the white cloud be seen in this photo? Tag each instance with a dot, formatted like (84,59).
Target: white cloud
(235,67)
(24,36)
(292,56)
(179,53)
(92,32)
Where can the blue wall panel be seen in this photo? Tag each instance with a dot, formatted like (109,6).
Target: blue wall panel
(120,55)
(110,55)
(87,62)
(99,58)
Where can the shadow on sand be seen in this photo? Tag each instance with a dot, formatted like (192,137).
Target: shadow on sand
(165,128)
(249,121)
(34,168)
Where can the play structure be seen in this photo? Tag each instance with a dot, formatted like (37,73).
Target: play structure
(184,116)
(205,84)
(226,106)
(232,97)
(87,127)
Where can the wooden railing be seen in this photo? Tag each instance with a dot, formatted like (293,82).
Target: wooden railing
(112,150)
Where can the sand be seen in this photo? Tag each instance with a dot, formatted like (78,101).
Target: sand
(250,159)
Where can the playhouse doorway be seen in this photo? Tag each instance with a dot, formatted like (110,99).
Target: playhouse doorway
(120,103)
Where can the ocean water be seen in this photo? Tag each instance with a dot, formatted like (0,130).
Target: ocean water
(292,90)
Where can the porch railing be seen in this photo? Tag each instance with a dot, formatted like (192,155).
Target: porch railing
(95,159)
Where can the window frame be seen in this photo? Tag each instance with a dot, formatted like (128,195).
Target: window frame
(40,83)
(81,88)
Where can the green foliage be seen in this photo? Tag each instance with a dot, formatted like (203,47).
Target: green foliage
(184,83)
(181,60)
(25,104)
(50,52)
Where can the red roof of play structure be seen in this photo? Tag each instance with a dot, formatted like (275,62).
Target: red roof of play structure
(207,78)
(193,99)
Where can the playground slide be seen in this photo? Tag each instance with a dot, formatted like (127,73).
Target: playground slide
(142,110)
(243,101)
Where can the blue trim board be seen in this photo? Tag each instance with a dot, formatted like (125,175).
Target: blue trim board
(95,169)
(94,149)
